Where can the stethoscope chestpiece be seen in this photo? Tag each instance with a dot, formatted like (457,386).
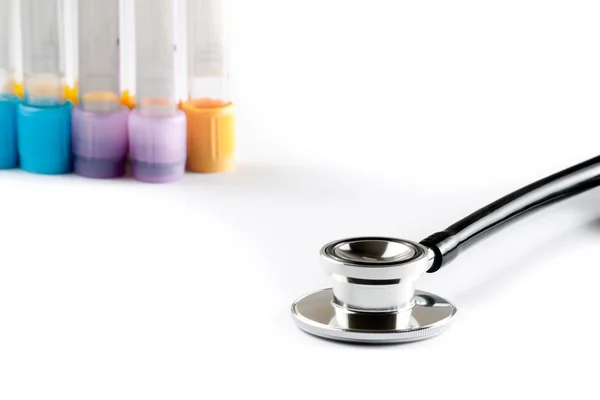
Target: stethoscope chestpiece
(373,298)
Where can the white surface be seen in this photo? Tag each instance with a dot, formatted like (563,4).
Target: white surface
(355,118)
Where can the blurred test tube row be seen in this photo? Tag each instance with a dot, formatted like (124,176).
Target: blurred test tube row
(90,86)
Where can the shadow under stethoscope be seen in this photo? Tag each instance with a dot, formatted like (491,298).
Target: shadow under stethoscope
(353,205)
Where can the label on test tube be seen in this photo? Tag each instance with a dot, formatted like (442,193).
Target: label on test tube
(207,37)
(99,55)
(42,22)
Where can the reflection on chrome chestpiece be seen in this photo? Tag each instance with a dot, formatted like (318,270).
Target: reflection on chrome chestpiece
(373,298)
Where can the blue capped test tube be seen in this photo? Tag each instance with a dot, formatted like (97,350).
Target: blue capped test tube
(44,116)
(8,100)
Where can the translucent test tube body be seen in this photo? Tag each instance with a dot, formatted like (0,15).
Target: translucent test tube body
(155,57)
(43,52)
(8,100)
(211,124)
(98,37)
(157,128)
(44,138)
(208,52)
(7,43)
(99,122)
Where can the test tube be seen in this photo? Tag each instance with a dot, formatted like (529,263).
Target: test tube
(8,99)
(99,122)
(157,128)
(209,109)
(44,117)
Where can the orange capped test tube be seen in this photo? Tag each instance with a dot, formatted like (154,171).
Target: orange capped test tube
(209,108)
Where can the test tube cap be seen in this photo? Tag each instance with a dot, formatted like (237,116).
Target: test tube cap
(211,136)
(100,143)
(157,146)
(44,139)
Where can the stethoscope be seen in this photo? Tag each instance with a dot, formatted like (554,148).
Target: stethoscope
(373,298)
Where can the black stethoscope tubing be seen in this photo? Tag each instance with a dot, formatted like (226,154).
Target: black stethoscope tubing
(571,181)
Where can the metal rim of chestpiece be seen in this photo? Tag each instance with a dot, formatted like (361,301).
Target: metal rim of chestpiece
(373,297)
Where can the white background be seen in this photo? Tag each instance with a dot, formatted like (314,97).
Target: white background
(355,117)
